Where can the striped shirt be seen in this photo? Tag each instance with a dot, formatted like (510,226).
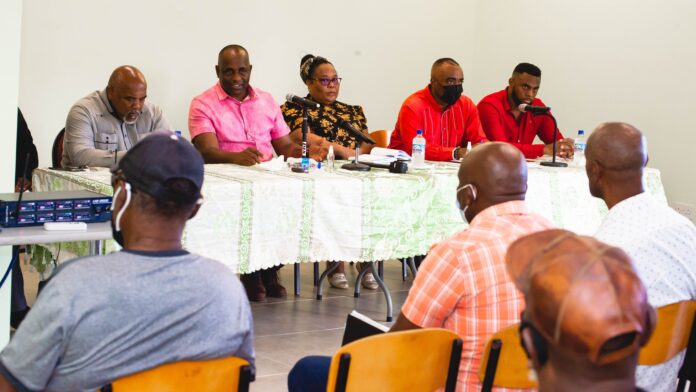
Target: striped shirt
(463,285)
(442,130)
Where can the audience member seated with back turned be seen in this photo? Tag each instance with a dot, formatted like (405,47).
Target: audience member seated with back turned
(462,284)
(233,122)
(661,242)
(101,318)
(503,122)
(586,315)
(111,120)
(324,84)
(25,149)
(447,118)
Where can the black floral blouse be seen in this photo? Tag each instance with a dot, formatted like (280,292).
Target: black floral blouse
(323,121)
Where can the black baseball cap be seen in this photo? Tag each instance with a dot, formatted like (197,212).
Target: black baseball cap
(160,157)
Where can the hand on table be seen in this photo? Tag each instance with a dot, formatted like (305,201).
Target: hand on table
(565,148)
(248,157)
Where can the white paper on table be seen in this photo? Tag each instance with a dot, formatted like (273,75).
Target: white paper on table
(275,164)
(390,152)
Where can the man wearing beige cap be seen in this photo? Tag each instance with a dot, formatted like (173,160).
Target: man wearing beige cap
(661,242)
(587,311)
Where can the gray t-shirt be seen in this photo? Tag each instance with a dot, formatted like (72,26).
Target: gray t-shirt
(93,133)
(101,318)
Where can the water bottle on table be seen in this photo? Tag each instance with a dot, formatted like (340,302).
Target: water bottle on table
(580,143)
(418,150)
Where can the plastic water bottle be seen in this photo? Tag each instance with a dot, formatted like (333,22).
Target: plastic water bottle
(580,143)
(330,158)
(418,150)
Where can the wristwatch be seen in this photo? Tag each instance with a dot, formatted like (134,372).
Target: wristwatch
(455,153)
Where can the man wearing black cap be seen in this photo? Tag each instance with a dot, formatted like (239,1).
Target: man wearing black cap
(101,318)
(587,313)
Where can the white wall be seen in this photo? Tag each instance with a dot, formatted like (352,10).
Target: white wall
(619,60)
(10,30)
(601,60)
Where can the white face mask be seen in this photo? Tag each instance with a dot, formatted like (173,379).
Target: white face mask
(462,211)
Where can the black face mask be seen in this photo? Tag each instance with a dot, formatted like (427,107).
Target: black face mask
(451,94)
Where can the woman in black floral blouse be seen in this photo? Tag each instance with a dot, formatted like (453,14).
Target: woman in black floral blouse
(324,84)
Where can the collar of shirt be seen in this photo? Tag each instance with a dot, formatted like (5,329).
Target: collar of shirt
(515,207)
(222,95)
(630,204)
(107,104)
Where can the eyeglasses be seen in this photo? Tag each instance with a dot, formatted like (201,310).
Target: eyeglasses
(328,81)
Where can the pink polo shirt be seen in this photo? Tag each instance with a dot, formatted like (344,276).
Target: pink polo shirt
(253,122)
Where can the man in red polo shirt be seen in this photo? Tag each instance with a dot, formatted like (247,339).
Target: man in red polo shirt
(448,119)
(504,122)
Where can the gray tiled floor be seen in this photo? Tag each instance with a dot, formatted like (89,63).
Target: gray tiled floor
(288,329)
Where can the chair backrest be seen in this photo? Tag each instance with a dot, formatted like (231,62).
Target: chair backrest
(223,374)
(675,323)
(504,347)
(414,360)
(671,335)
(381,137)
(57,150)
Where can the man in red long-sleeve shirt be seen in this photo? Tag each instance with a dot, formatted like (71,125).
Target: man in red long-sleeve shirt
(504,122)
(448,119)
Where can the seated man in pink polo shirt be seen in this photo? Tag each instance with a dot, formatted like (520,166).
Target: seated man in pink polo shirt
(232,122)
(503,122)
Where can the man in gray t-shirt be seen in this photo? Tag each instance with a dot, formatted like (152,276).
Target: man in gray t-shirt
(101,318)
(111,120)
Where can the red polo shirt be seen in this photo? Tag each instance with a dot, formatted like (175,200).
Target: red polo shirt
(443,130)
(501,126)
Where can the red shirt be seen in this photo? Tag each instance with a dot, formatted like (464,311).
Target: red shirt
(501,126)
(442,130)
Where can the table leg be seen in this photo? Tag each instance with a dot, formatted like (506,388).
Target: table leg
(316,273)
(320,286)
(296,268)
(412,266)
(387,294)
(404,271)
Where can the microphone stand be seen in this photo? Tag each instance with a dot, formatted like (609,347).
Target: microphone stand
(553,162)
(356,166)
(305,157)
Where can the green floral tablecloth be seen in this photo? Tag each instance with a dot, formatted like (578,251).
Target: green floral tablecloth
(254,219)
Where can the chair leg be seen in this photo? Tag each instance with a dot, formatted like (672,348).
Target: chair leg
(404,270)
(387,294)
(244,378)
(380,267)
(358,281)
(320,286)
(412,265)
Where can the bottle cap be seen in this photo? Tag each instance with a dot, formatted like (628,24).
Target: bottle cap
(581,132)
(419,132)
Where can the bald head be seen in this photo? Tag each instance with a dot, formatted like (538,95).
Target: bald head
(618,147)
(234,71)
(126,74)
(497,171)
(233,50)
(616,154)
(126,93)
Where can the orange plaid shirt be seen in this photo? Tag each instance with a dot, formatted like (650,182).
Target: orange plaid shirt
(463,285)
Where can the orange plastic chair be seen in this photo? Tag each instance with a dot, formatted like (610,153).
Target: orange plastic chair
(415,360)
(215,375)
(381,137)
(671,335)
(505,347)
(675,323)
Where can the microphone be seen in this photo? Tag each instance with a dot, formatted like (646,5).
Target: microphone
(362,138)
(304,102)
(533,109)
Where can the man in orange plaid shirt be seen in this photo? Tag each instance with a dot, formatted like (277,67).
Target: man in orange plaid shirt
(463,284)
